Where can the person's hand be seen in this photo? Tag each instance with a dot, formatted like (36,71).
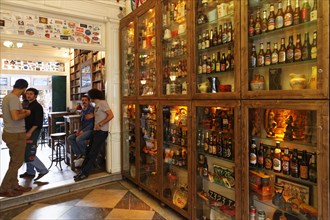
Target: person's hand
(79,133)
(97,127)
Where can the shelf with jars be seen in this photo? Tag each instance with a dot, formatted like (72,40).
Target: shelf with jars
(283,149)
(282,50)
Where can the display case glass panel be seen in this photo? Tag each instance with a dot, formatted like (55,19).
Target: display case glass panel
(215,46)
(128,60)
(147,54)
(174,47)
(175,155)
(149,174)
(215,181)
(129,140)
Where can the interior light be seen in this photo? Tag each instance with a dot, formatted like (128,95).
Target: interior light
(10,44)
(19,45)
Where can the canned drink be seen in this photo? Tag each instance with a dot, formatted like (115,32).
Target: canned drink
(261,215)
(253,212)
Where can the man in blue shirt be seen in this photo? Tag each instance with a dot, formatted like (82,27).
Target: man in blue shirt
(78,140)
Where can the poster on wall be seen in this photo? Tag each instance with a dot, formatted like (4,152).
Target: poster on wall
(16,23)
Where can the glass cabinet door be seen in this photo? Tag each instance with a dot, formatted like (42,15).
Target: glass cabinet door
(174,47)
(215,46)
(285,159)
(147,54)
(128,60)
(129,143)
(149,176)
(175,156)
(283,56)
(215,178)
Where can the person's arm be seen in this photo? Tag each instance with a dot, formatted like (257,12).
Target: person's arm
(17,115)
(106,120)
(30,131)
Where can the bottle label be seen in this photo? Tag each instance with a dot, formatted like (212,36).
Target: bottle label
(274,58)
(278,22)
(251,31)
(288,19)
(253,61)
(286,166)
(297,54)
(268,163)
(290,54)
(261,60)
(260,160)
(257,28)
(304,172)
(313,15)
(217,67)
(267,60)
(314,52)
(277,164)
(294,170)
(282,56)
(271,24)
(253,158)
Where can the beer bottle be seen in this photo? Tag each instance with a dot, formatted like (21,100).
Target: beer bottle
(251,26)
(253,56)
(223,63)
(213,63)
(271,19)
(215,37)
(230,32)
(261,56)
(229,154)
(206,142)
(203,40)
(275,54)
(279,16)
(211,38)
(303,166)
(286,162)
(306,48)
(297,49)
(305,12)
(277,166)
(289,50)
(211,144)
(313,15)
(208,65)
(217,65)
(205,168)
(199,45)
(282,52)
(296,14)
(312,169)
(200,66)
(268,55)
(204,67)
(253,153)
(207,39)
(219,145)
(199,139)
(288,16)
(261,156)
(294,165)
(257,26)
(224,34)
(228,60)
(214,145)
(264,22)
(268,159)
(220,35)
(314,46)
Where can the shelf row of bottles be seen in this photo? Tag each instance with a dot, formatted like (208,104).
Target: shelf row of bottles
(174,12)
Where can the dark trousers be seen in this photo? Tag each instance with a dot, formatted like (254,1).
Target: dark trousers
(97,141)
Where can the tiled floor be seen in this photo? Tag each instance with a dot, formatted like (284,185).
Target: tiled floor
(117,200)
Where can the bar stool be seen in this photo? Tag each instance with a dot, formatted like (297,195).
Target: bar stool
(60,126)
(58,149)
(43,138)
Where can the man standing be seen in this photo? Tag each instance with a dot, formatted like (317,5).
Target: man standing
(33,125)
(14,136)
(78,140)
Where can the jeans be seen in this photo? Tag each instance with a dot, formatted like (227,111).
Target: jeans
(78,144)
(98,140)
(36,165)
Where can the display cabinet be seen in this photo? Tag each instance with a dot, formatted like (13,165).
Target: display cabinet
(286,159)
(216,160)
(98,68)
(283,49)
(217,46)
(129,146)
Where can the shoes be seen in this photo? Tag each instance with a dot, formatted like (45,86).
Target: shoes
(11,193)
(26,175)
(22,189)
(40,176)
(80,177)
(79,162)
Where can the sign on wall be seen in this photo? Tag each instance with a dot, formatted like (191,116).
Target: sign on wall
(17,23)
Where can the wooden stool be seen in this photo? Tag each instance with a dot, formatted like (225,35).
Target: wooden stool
(61,126)
(43,138)
(58,149)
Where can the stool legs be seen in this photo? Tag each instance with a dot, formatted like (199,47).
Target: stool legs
(57,156)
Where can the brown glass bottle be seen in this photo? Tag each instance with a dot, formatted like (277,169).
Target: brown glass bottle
(297,49)
(296,14)
(303,166)
(253,153)
(277,165)
(288,15)
(279,16)
(229,59)
(223,63)
(306,48)
(257,25)
(313,15)
(261,56)
(219,144)
(282,52)
(290,50)
(251,26)
(225,34)
(294,164)
(286,162)
(230,32)
(217,64)
(268,162)
(261,156)
(264,21)
(253,57)
(313,168)
(211,38)
(268,55)
(220,35)
(271,19)
(314,46)
(207,39)
(305,12)
(275,54)
(206,142)
(215,37)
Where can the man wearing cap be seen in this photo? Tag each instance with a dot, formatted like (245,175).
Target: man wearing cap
(15,137)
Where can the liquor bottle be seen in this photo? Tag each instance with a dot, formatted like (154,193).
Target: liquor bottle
(253,56)
(204,67)
(228,60)
(205,168)
(313,15)
(219,145)
(208,65)
(275,54)
(282,52)
(314,46)
(200,66)
(257,25)
(296,14)
(288,15)
(214,145)
(279,16)
(203,40)
(217,64)
(294,164)
(271,19)
(261,156)
(286,162)
(223,63)
(297,49)
(312,169)
(268,55)
(268,162)
(306,48)
(230,32)
(213,63)
(229,154)
(277,165)
(199,139)
(220,35)
(215,37)
(211,38)
(251,26)
(225,34)
(305,12)
(207,39)
(253,153)
(200,40)
(206,142)
(303,166)
(290,50)
(264,22)
(211,144)
(261,56)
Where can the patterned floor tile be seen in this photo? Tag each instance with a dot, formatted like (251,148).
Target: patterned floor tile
(102,198)
(86,213)
(130,201)
(42,212)
(70,199)
(130,214)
